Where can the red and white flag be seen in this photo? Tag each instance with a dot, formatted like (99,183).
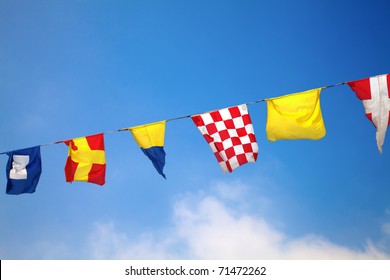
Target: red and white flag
(230,134)
(375,95)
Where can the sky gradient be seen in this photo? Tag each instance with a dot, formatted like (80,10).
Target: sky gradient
(76,68)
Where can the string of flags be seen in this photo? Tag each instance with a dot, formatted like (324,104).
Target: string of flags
(229,133)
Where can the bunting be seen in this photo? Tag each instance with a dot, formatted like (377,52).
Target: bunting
(295,116)
(86,160)
(230,134)
(150,138)
(375,95)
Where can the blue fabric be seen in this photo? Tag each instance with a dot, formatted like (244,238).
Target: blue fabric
(33,170)
(157,155)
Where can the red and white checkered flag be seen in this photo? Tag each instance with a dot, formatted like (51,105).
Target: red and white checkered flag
(230,135)
(375,95)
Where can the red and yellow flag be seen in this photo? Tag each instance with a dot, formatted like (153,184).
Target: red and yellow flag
(86,160)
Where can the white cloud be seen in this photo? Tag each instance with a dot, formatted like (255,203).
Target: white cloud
(386,229)
(50,250)
(208,227)
(234,191)
(106,242)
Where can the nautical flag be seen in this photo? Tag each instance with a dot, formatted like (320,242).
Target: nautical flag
(86,160)
(230,134)
(295,116)
(150,138)
(375,94)
(23,170)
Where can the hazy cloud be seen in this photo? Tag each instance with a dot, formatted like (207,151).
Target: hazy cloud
(106,242)
(208,227)
(386,229)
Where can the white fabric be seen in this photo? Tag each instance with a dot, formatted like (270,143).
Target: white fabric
(19,171)
(379,106)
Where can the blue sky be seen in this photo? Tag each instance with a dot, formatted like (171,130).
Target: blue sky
(75,68)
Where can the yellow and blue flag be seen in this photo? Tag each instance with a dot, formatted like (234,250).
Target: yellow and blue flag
(150,138)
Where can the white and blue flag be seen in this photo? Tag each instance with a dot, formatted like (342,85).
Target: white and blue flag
(23,170)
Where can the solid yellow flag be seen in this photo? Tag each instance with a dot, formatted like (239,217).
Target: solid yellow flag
(295,116)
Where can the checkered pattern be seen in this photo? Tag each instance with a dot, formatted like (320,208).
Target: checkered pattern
(230,135)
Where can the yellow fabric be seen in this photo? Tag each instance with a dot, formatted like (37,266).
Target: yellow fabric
(295,116)
(85,157)
(149,135)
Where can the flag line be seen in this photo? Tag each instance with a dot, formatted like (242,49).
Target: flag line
(172,119)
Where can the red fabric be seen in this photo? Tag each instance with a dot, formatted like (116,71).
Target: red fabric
(362,89)
(97,174)
(70,169)
(96,142)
